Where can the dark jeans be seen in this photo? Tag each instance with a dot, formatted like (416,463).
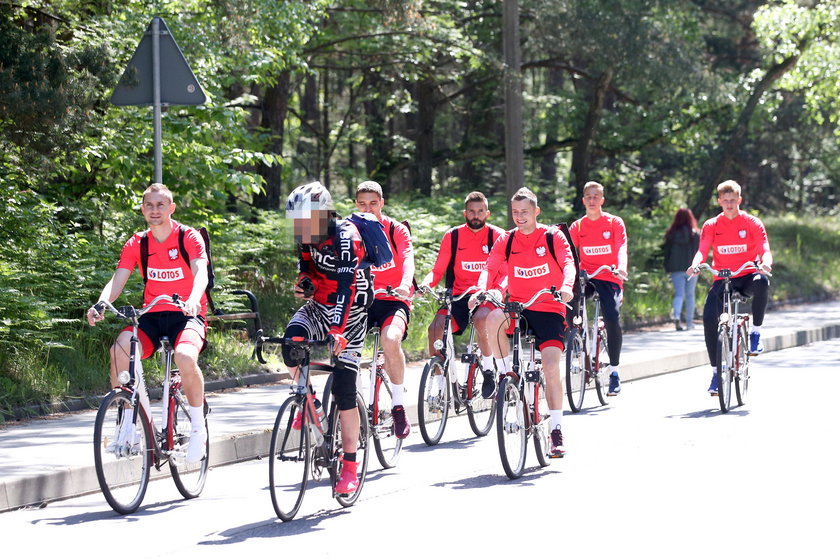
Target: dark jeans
(756,286)
(611,297)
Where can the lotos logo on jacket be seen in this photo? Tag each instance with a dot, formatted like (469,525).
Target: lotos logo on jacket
(166,274)
(473,266)
(597,250)
(520,272)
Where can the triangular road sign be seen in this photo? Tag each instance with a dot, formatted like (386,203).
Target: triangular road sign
(178,85)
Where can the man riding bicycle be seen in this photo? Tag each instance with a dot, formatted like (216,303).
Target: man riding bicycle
(735,238)
(391,312)
(461,259)
(168,271)
(529,266)
(601,239)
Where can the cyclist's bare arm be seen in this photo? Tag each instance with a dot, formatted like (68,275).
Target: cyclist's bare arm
(110,293)
(192,306)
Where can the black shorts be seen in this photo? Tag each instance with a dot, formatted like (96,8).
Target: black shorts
(547,327)
(153,326)
(383,312)
(460,315)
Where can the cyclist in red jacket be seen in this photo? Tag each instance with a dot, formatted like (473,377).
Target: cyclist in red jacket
(392,313)
(338,294)
(460,270)
(601,239)
(735,238)
(168,272)
(530,267)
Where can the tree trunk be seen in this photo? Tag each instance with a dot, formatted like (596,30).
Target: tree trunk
(582,153)
(424,138)
(548,162)
(275,105)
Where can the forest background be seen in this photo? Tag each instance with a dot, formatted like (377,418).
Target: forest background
(659,100)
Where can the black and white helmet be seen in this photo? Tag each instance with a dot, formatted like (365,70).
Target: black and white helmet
(306,199)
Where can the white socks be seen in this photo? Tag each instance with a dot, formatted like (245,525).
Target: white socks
(556,417)
(398,394)
(197,417)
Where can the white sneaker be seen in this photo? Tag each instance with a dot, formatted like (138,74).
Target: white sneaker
(197,445)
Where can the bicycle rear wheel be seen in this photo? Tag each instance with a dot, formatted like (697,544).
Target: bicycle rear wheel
(510,428)
(601,366)
(189,478)
(742,366)
(576,369)
(385,441)
(724,369)
(289,459)
(541,426)
(362,448)
(123,464)
(480,411)
(433,402)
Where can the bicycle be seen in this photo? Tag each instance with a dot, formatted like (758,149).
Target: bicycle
(385,441)
(439,385)
(315,447)
(521,404)
(123,454)
(586,347)
(733,339)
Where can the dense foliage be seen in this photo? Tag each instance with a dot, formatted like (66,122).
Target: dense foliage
(657,99)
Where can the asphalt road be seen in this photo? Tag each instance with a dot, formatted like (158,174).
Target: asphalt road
(659,473)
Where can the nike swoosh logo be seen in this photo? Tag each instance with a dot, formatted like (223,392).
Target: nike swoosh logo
(515,252)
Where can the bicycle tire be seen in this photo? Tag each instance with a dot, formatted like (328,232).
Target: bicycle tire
(433,401)
(724,371)
(601,366)
(541,427)
(189,478)
(385,441)
(577,369)
(480,411)
(362,451)
(510,428)
(123,478)
(742,366)
(289,459)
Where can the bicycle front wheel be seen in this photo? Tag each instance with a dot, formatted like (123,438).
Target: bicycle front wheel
(122,454)
(385,441)
(189,478)
(724,369)
(480,411)
(742,366)
(433,402)
(576,369)
(362,449)
(510,428)
(289,459)
(601,366)
(541,425)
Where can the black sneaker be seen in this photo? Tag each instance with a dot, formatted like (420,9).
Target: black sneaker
(488,388)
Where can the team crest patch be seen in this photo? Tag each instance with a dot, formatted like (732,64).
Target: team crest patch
(173,254)
(485,250)
(607,234)
(541,251)
(742,234)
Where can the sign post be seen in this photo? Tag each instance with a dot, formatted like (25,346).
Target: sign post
(158,75)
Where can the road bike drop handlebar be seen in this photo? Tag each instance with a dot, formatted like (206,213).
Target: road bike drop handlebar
(726,273)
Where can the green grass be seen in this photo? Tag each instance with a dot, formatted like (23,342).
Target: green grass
(59,356)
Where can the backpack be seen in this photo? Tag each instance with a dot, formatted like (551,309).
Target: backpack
(377,248)
(450,268)
(211,275)
(549,239)
(394,244)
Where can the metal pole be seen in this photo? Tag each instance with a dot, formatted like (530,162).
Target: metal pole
(158,177)
(514,144)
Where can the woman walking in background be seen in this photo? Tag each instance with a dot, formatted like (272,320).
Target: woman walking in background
(681,241)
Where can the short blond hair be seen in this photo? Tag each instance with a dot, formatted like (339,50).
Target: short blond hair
(525,194)
(158,188)
(370,187)
(729,186)
(593,185)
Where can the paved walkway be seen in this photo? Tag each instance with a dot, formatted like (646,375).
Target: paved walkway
(52,458)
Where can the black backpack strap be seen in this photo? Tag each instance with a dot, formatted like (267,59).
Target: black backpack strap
(509,244)
(489,238)
(144,255)
(450,268)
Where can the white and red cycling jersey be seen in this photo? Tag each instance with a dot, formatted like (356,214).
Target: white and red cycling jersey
(530,267)
(470,256)
(168,271)
(734,241)
(601,242)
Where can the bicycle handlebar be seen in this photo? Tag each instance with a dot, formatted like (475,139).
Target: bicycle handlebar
(586,276)
(391,292)
(130,312)
(516,306)
(727,273)
(443,295)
